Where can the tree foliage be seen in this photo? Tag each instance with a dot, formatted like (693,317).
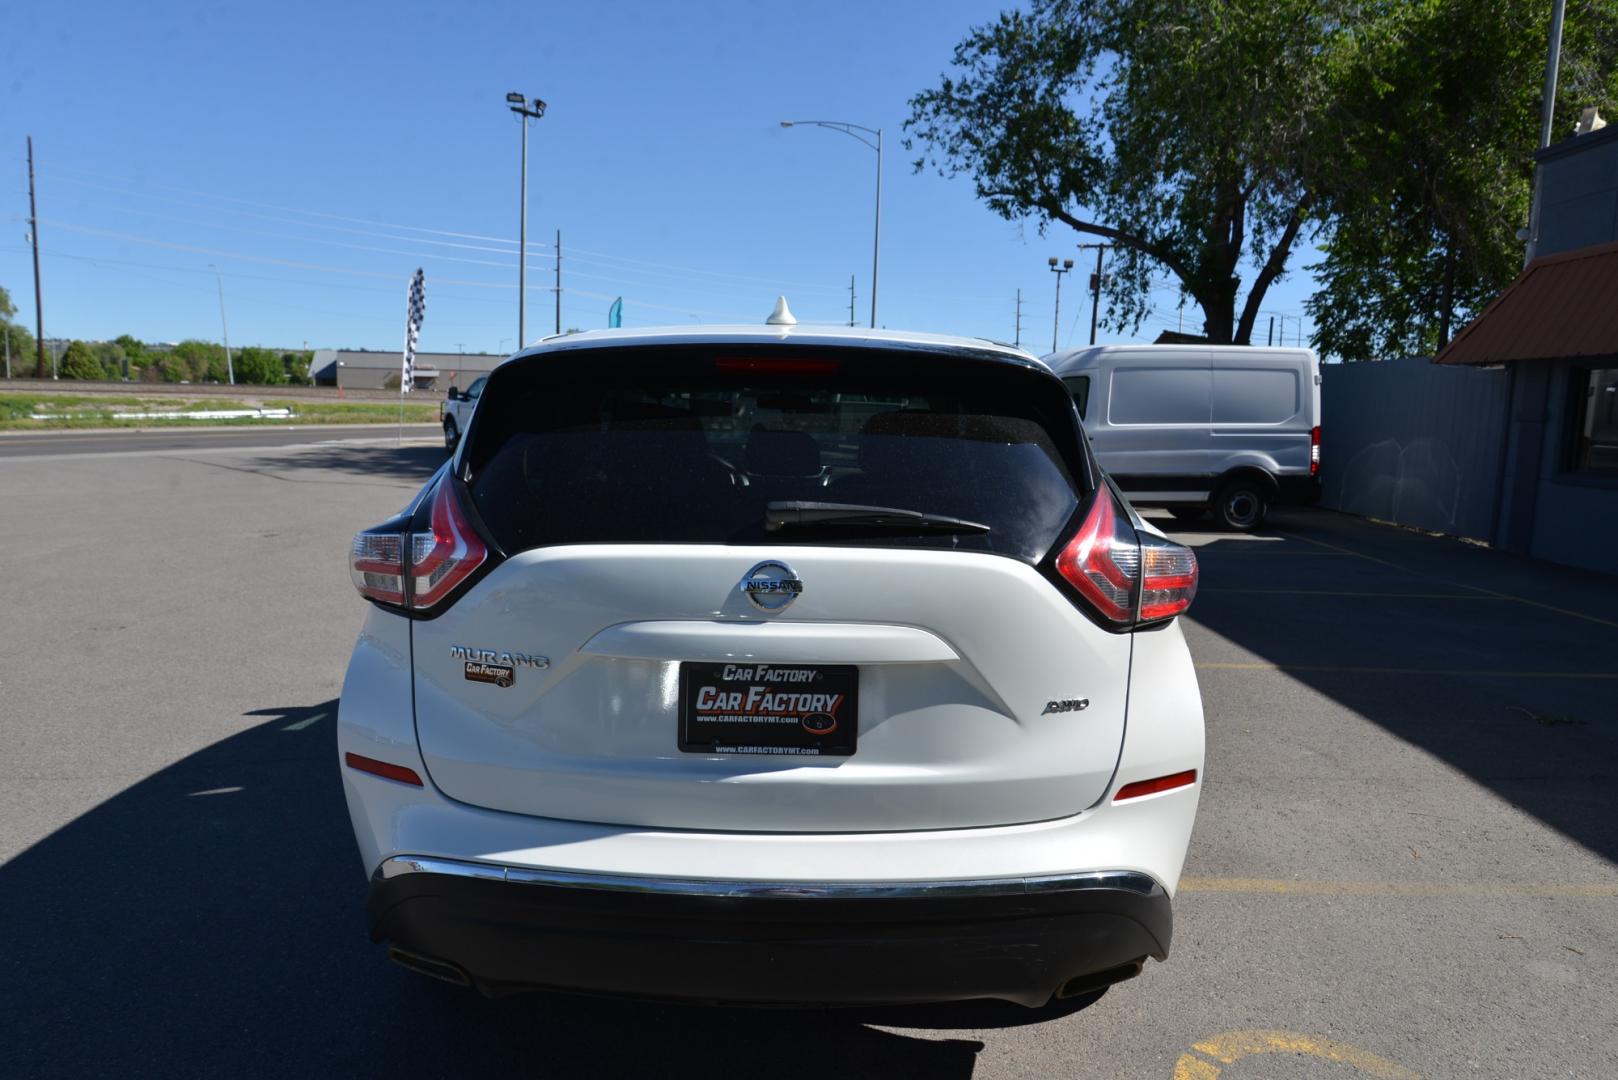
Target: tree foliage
(79,362)
(1204,138)
(1439,155)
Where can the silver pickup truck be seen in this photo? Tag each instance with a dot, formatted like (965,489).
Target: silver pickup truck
(456,409)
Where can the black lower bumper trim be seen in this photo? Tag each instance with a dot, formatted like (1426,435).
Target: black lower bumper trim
(778,949)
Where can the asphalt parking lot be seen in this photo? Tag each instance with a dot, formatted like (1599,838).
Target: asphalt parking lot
(1404,863)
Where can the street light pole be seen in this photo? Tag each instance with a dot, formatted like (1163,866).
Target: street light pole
(230,370)
(1056,321)
(526,111)
(853,131)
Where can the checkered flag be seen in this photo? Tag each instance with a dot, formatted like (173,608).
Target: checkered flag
(418,309)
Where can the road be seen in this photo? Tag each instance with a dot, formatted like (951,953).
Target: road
(1404,863)
(141,440)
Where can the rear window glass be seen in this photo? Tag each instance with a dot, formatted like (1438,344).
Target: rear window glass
(665,446)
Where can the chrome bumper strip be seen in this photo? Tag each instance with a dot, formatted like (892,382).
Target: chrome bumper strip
(1126,880)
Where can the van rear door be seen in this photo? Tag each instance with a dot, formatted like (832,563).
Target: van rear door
(1262,410)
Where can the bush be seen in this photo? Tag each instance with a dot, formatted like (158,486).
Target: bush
(79,362)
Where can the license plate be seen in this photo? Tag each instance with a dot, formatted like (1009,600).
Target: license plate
(783,709)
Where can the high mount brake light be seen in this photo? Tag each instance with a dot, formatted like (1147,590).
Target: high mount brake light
(777,365)
(1128,579)
(432,563)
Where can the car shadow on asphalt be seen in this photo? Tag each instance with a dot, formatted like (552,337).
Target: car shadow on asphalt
(209,920)
(411,463)
(1516,696)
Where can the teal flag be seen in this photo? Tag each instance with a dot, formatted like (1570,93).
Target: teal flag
(615,314)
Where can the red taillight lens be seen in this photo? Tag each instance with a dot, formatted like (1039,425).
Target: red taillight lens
(1152,787)
(443,558)
(1128,579)
(383,563)
(1314,451)
(1102,561)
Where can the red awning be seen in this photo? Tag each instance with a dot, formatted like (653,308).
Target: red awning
(1562,307)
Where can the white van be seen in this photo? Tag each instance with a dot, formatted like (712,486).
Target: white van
(1227,428)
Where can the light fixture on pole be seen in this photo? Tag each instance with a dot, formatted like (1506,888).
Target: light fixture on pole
(527,111)
(854,131)
(1056,322)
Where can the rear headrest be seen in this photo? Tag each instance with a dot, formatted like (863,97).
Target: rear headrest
(782,453)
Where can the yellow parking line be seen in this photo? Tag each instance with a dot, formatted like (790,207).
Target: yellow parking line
(1284,887)
(1232,1046)
(1461,585)
(1465,673)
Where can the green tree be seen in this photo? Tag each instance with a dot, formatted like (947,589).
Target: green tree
(194,361)
(110,355)
(259,366)
(1204,138)
(79,362)
(297,366)
(7,308)
(134,351)
(1182,131)
(1440,148)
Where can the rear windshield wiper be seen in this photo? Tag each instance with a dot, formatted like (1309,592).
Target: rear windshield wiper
(780,515)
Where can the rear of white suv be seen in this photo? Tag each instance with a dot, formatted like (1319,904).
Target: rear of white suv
(794,667)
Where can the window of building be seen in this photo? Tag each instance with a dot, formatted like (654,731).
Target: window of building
(1594,421)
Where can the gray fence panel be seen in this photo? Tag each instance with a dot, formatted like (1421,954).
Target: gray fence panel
(1413,443)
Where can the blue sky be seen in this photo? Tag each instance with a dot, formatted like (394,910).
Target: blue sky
(317,153)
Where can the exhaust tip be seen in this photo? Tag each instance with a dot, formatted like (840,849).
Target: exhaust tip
(1099,980)
(433,969)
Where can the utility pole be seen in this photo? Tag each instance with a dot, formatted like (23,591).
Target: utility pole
(1271,340)
(1018,342)
(525,111)
(33,236)
(230,371)
(851,299)
(1095,288)
(1547,106)
(1056,321)
(558,281)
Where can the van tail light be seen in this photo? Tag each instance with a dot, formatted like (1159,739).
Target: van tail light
(417,570)
(1128,579)
(1314,450)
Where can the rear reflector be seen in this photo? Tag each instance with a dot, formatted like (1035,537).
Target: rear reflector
(1152,787)
(384,769)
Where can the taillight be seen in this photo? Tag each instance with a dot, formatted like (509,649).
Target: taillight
(1128,579)
(416,570)
(446,556)
(1314,450)
(376,564)
(1102,561)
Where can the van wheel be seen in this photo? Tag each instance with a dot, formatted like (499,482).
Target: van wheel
(1187,513)
(1241,504)
(452,434)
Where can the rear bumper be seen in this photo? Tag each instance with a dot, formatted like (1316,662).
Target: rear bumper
(1023,940)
